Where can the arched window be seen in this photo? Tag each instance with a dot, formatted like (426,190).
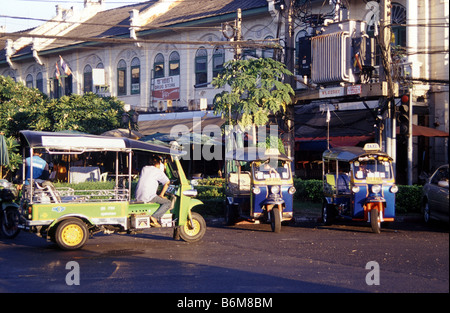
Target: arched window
(121,78)
(87,79)
(39,82)
(29,81)
(174,64)
(201,67)
(398,20)
(268,52)
(218,60)
(135,76)
(158,66)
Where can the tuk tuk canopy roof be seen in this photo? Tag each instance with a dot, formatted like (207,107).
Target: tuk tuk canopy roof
(347,154)
(250,154)
(60,141)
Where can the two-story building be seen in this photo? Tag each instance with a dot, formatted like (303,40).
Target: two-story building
(160,56)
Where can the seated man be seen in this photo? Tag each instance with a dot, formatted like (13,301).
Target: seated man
(40,167)
(147,186)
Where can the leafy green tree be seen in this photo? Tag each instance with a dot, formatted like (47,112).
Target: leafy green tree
(88,113)
(25,108)
(22,108)
(257,91)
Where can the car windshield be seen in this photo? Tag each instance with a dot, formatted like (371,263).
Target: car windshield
(372,169)
(268,170)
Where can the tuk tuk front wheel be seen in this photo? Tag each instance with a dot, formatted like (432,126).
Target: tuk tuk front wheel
(195,231)
(71,234)
(275,220)
(375,221)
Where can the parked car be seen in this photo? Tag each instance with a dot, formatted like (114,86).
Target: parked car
(435,196)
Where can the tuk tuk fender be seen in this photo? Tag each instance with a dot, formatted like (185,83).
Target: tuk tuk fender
(186,206)
(374,205)
(84,218)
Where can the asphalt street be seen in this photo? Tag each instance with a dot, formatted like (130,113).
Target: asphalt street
(305,257)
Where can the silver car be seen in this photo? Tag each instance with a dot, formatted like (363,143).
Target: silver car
(435,196)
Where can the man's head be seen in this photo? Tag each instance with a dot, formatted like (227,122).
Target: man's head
(155,161)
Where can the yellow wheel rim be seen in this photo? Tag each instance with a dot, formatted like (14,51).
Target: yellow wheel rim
(192,230)
(72,235)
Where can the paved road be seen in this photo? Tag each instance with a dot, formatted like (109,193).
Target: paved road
(305,257)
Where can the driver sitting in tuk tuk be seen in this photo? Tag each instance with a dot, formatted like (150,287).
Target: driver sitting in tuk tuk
(146,190)
(269,171)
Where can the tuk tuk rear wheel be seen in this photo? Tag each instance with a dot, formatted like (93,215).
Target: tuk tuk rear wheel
(9,223)
(328,214)
(230,214)
(71,234)
(275,220)
(375,221)
(195,232)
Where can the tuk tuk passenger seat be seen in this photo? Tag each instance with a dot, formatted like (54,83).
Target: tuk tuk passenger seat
(239,183)
(343,183)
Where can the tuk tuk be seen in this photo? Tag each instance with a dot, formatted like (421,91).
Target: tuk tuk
(259,187)
(68,217)
(358,185)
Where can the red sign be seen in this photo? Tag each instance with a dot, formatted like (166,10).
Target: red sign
(166,88)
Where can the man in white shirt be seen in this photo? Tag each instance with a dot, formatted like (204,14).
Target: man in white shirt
(150,178)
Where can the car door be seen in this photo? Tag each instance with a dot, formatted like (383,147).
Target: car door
(438,196)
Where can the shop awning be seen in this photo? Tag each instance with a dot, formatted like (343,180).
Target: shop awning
(346,128)
(426,131)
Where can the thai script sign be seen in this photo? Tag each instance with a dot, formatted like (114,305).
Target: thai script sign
(166,88)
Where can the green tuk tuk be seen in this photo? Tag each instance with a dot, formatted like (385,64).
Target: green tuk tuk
(68,217)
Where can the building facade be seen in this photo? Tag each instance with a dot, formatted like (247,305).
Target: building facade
(161,56)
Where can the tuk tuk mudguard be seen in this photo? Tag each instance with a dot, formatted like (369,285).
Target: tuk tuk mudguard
(185,203)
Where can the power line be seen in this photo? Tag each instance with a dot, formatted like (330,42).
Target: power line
(268,43)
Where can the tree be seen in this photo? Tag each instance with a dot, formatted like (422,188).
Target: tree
(22,108)
(257,91)
(88,113)
(27,108)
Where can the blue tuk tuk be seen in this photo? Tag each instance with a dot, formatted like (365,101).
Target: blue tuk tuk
(358,185)
(259,187)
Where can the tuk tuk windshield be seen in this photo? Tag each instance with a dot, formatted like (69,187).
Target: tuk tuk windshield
(267,170)
(372,168)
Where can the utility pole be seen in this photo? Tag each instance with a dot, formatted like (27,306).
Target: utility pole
(289,60)
(384,43)
(238,53)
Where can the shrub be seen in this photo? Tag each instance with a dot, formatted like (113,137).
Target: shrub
(408,199)
(308,190)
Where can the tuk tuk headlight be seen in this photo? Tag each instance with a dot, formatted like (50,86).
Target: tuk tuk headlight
(256,190)
(394,188)
(355,189)
(275,189)
(292,190)
(376,188)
